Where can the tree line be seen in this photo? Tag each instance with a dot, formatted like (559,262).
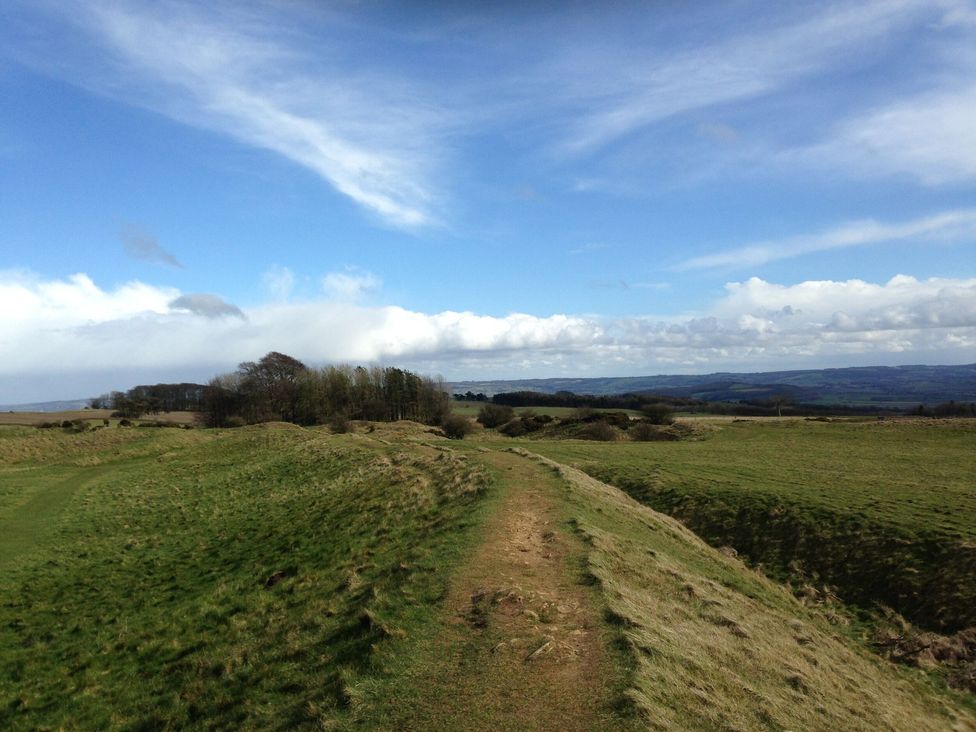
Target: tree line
(776,405)
(282,388)
(951,408)
(152,399)
(601,401)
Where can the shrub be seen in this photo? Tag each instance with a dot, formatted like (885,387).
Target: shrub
(644,432)
(599,431)
(339,423)
(616,419)
(583,414)
(515,428)
(455,427)
(658,413)
(125,422)
(494,415)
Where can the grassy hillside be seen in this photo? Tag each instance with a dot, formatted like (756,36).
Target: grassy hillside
(885,510)
(715,646)
(168,578)
(275,577)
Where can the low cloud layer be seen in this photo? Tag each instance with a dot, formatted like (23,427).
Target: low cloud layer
(68,327)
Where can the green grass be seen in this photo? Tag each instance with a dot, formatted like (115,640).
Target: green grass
(231,580)
(274,577)
(884,510)
(715,646)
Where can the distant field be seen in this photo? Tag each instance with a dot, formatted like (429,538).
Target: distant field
(28,419)
(885,509)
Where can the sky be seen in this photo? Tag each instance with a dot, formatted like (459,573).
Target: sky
(491,190)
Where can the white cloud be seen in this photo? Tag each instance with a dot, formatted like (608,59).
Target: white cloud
(351,284)
(278,281)
(819,302)
(614,95)
(29,301)
(930,136)
(68,327)
(239,73)
(944,226)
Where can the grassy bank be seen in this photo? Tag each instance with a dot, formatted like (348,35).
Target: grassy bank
(226,579)
(717,646)
(886,511)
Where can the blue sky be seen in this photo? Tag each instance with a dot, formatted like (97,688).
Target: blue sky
(509,191)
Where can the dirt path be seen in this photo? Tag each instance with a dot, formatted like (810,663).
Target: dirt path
(524,646)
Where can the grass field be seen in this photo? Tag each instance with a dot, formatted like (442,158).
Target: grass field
(171,578)
(275,577)
(886,510)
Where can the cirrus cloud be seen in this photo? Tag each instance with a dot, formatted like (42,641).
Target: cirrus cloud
(944,226)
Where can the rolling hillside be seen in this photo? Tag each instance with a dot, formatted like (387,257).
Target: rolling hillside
(275,577)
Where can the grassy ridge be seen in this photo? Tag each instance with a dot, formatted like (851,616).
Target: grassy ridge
(227,579)
(715,646)
(884,510)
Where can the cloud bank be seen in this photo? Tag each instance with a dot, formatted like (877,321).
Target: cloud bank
(67,327)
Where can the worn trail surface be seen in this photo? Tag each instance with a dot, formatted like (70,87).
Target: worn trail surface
(523,645)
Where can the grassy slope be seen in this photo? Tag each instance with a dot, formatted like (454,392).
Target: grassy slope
(232,579)
(718,647)
(885,510)
(148,603)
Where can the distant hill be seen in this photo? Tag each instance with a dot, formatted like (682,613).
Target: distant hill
(63,406)
(895,386)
